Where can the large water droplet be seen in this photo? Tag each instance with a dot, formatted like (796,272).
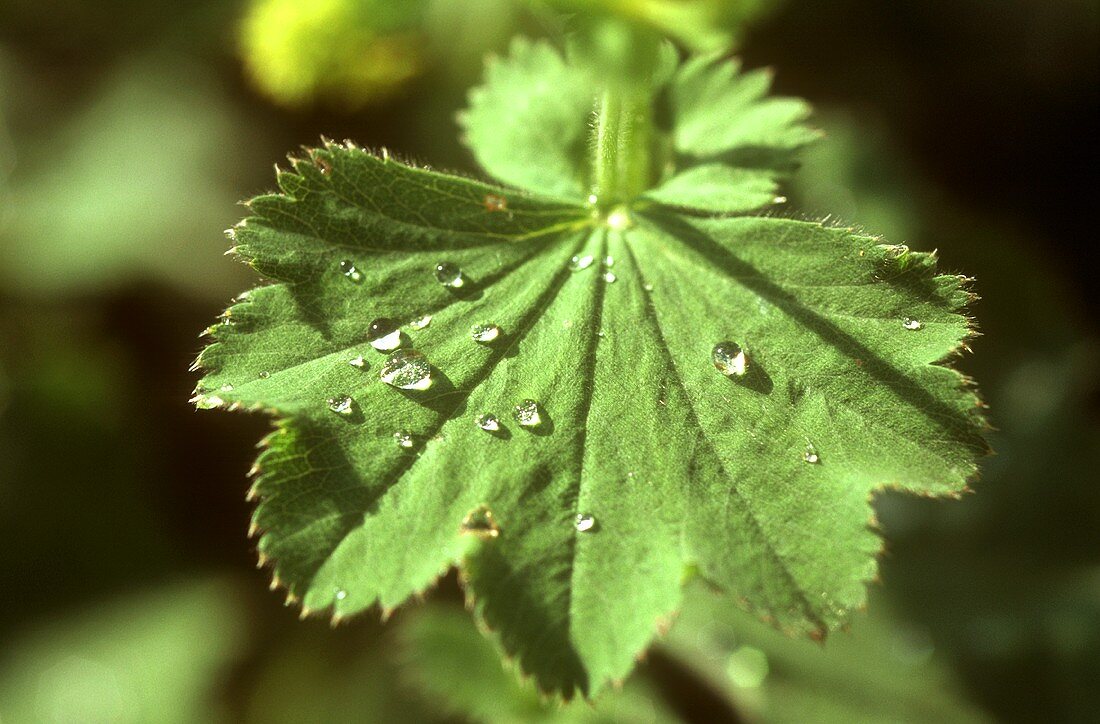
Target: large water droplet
(578,263)
(358,361)
(494,202)
(585,522)
(488,422)
(384,334)
(527,413)
(480,522)
(347,268)
(730,359)
(403,438)
(422,322)
(341,404)
(811,455)
(408,370)
(484,333)
(449,275)
(912,324)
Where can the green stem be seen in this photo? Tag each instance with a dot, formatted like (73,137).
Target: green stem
(622,146)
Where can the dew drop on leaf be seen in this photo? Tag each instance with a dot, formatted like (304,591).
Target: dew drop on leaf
(357,361)
(484,333)
(449,275)
(811,455)
(609,260)
(912,324)
(348,269)
(609,277)
(264,375)
(578,263)
(648,287)
(422,322)
(341,594)
(384,334)
(226,388)
(480,522)
(527,413)
(341,404)
(487,422)
(209,402)
(729,359)
(407,369)
(585,522)
(403,438)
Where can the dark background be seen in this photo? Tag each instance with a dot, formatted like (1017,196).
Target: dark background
(129,129)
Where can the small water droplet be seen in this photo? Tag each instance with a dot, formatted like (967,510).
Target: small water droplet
(403,438)
(609,277)
(494,202)
(527,413)
(384,334)
(407,369)
(578,263)
(357,361)
(609,260)
(811,455)
(264,375)
(487,422)
(779,200)
(449,275)
(209,402)
(648,287)
(226,388)
(730,359)
(348,269)
(585,522)
(484,333)
(480,522)
(341,405)
(912,324)
(619,219)
(422,322)
(341,594)
(593,199)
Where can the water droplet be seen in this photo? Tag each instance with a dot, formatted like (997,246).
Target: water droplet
(384,334)
(619,219)
(449,275)
(747,667)
(226,388)
(422,322)
(403,438)
(341,405)
(487,422)
(730,359)
(347,268)
(480,522)
(341,594)
(493,202)
(527,413)
(578,263)
(779,200)
(264,375)
(609,260)
(648,287)
(484,333)
(912,324)
(585,522)
(811,455)
(209,402)
(357,361)
(609,277)
(407,369)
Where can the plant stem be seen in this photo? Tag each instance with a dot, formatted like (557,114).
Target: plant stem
(622,145)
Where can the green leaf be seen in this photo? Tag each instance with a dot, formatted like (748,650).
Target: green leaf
(680,467)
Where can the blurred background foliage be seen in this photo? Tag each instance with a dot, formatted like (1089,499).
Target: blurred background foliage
(128,131)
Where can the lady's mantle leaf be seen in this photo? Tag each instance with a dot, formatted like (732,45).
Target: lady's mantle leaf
(574,534)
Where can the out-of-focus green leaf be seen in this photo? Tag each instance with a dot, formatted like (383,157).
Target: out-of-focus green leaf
(154,657)
(136,185)
(879,671)
(452,664)
(351,51)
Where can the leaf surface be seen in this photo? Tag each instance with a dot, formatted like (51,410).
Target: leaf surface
(672,465)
